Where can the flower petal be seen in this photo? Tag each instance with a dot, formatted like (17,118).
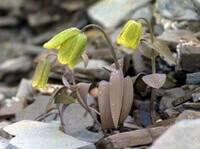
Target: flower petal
(57,40)
(130,35)
(71,50)
(41,74)
(78,50)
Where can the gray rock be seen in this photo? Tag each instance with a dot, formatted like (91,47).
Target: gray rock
(173,37)
(196,97)
(193,78)
(34,110)
(93,71)
(188,114)
(76,119)
(144,114)
(192,106)
(170,113)
(4,143)
(188,58)
(179,10)
(110,13)
(158,29)
(12,107)
(182,135)
(145,12)
(8,21)
(34,134)
(170,96)
(10,4)
(20,64)
(87,136)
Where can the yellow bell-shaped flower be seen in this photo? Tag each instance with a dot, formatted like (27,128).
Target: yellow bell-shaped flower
(70,44)
(129,37)
(41,75)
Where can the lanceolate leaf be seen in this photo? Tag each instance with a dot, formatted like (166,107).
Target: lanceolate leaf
(155,80)
(127,99)
(116,94)
(104,105)
(162,48)
(64,99)
(83,89)
(146,49)
(65,81)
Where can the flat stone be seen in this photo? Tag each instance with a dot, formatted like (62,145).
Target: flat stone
(25,90)
(10,4)
(76,119)
(145,12)
(196,97)
(189,58)
(20,64)
(39,19)
(170,113)
(87,136)
(110,13)
(17,104)
(4,143)
(93,71)
(177,10)
(192,106)
(169,96)
(193,78)
(173,37)
(188,114)
(34,134)
(8,21)
(34,110)
(184,134)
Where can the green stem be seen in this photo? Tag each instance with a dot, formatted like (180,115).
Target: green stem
(153,65)
(107,39)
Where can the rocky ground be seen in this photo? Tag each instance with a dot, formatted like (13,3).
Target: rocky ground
(26,25)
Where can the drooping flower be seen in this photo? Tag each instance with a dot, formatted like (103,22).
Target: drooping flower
(129,37)
(70,44)
(41,75)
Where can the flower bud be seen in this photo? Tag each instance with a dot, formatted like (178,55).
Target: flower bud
(129,37)
(70,44)
(72,49)
(59,39)
(41,74)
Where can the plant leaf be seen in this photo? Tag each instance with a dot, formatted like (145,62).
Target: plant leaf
(83,89)
(127,99)
(155,80)
(104,105)
(64,99)
(85,59)
(147,49)
(65,81)
(116,94)
(162,48)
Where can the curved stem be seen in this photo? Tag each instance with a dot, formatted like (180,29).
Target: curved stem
(149,26)
(107,39)
(51,54)
(153,65)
